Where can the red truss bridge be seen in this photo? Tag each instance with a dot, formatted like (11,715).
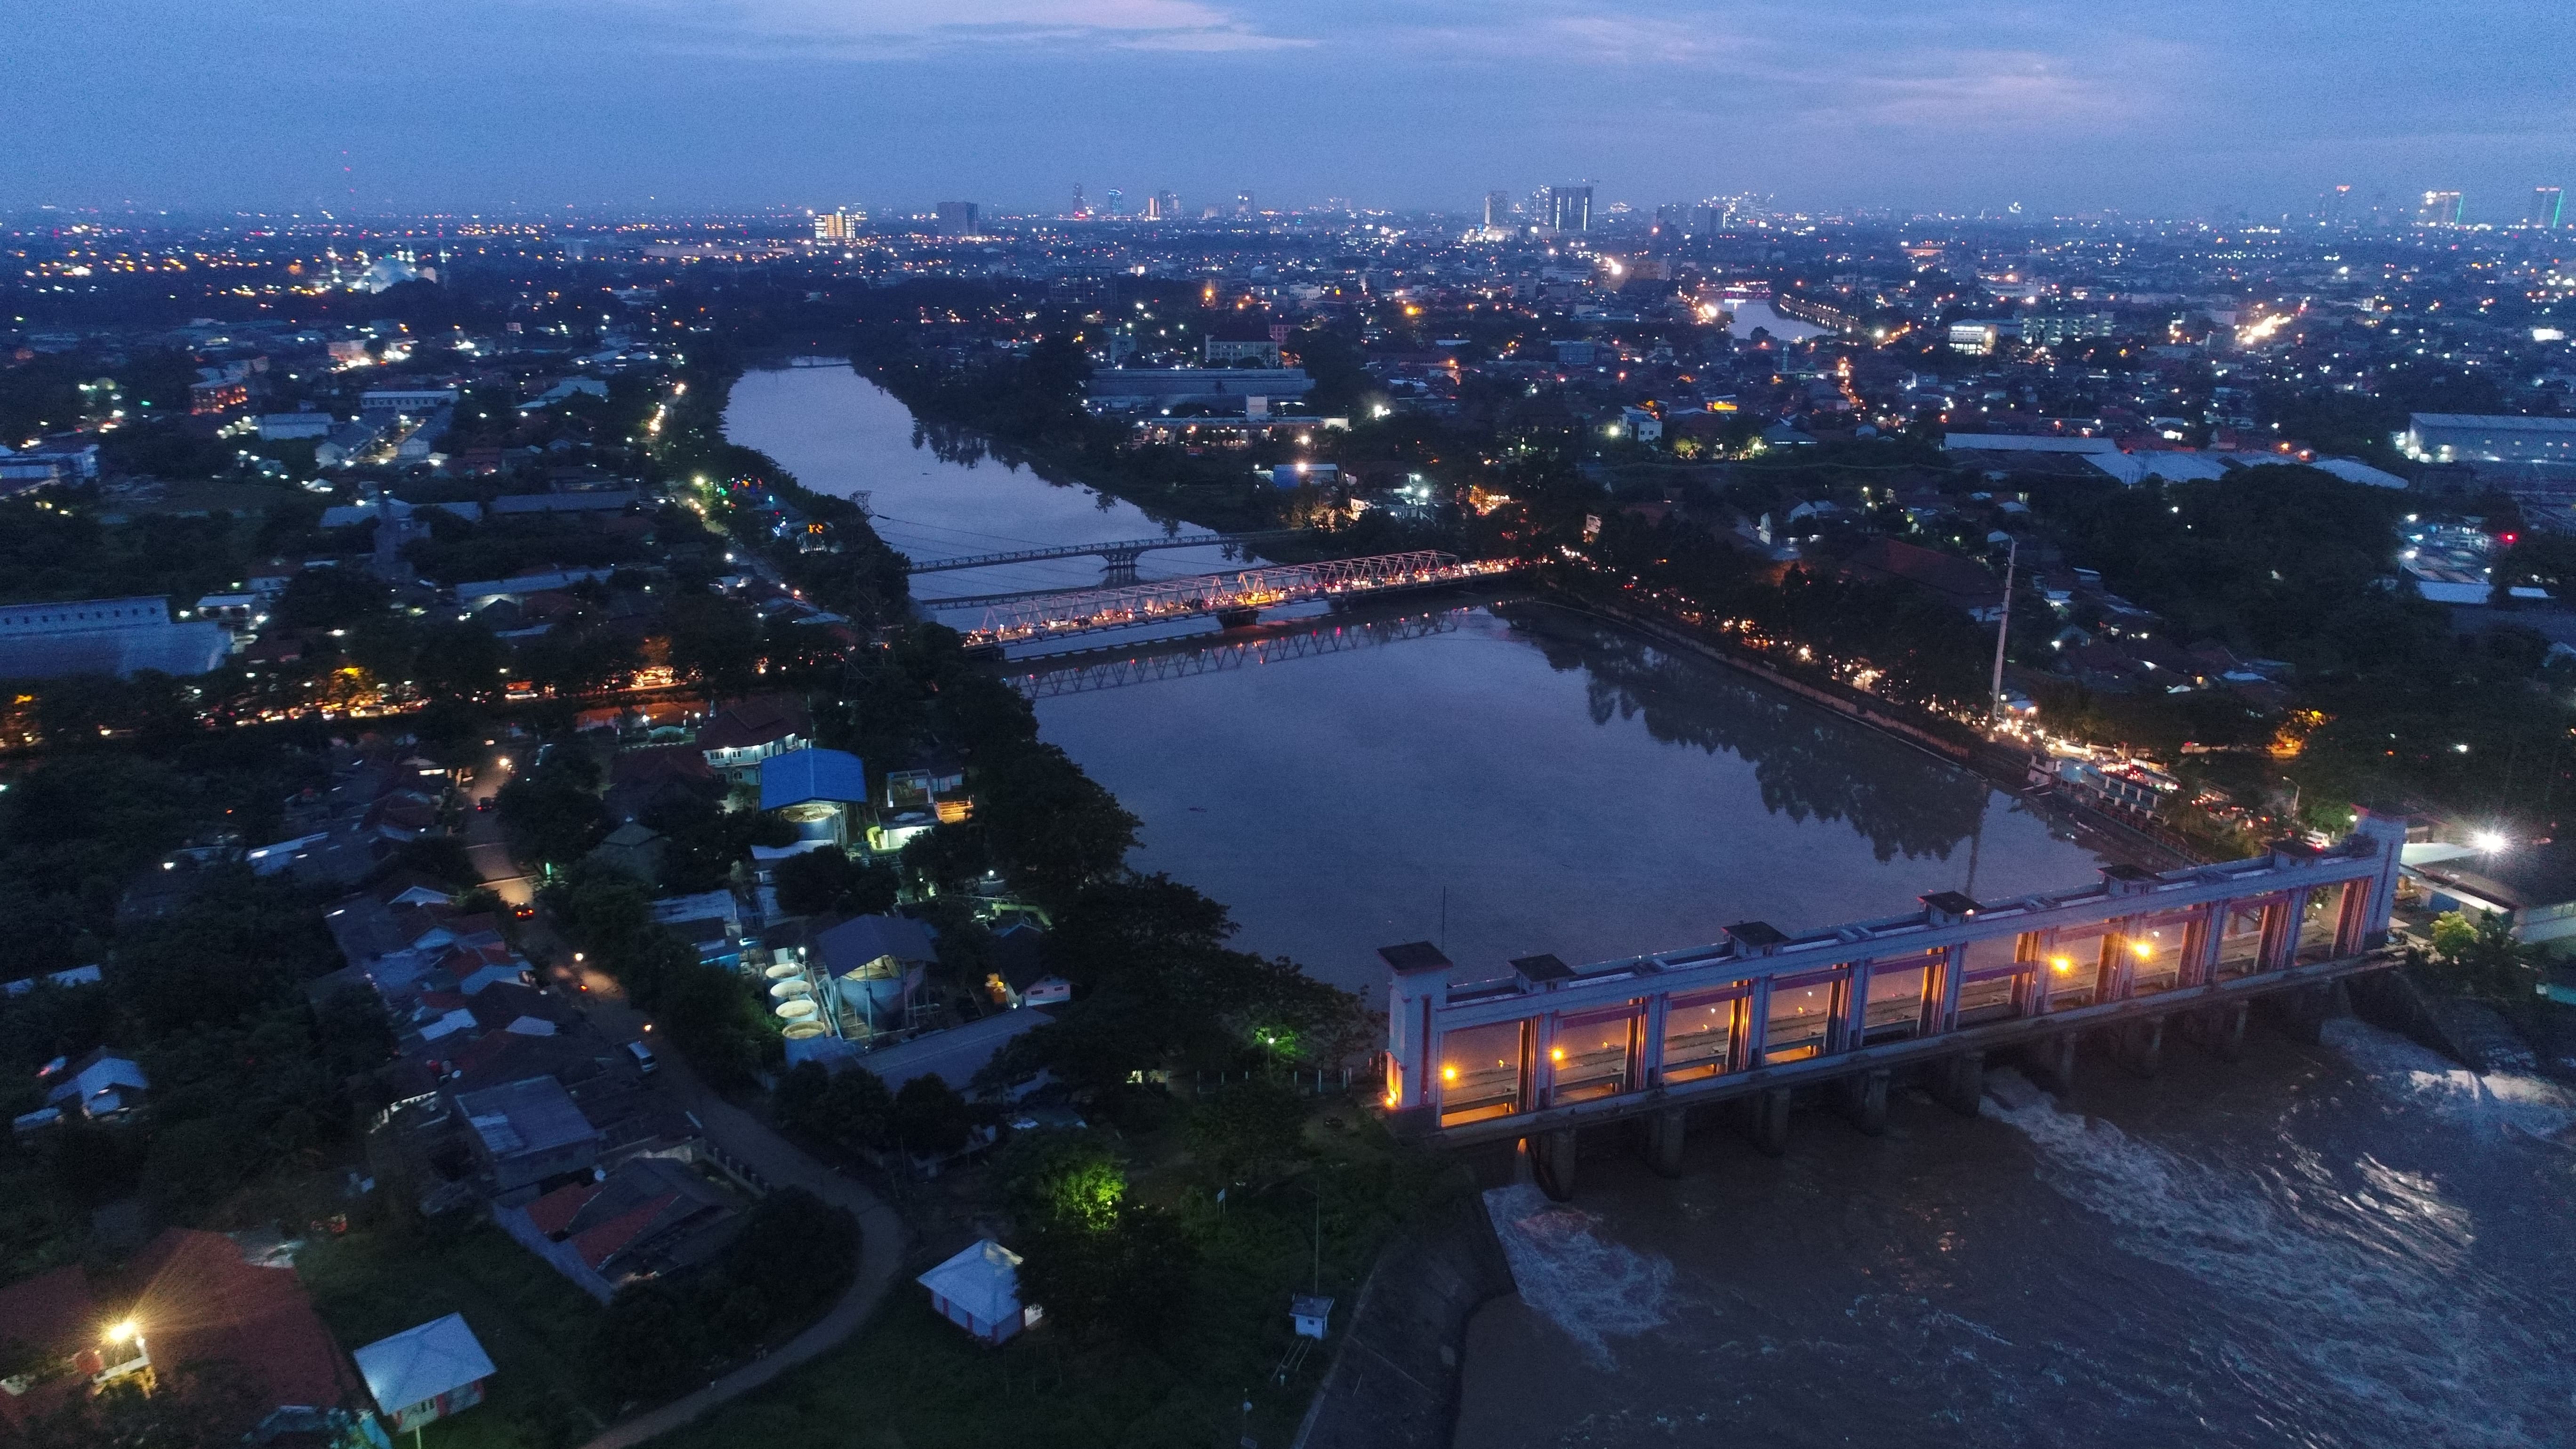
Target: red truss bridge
(1235,599)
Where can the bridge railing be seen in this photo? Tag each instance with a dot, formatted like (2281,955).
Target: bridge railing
(1084,610)
(1469,1060)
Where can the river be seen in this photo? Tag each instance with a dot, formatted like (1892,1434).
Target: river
(2347,1244)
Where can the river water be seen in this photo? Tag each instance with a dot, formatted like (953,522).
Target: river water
(2347,1244)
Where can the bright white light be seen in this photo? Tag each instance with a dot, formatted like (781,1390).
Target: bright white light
(2489,841)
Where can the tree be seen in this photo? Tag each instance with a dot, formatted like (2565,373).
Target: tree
(1128,1276)
(2478,956)
(649,1342)
(929,1118)
(857,1109)
(718,640)
(820,882)
(1071,1179)
(795,1254)
(1248,1125)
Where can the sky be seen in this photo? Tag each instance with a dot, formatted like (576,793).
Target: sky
(2171,108)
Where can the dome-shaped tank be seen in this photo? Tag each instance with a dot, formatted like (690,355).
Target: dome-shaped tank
(796,1010)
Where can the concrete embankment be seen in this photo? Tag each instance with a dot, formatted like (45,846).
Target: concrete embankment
(1394,1381)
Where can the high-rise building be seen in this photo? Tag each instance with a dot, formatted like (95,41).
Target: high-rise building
(838,226)
(1498,210)
(1163,206)
(1081,207)
(1117,204)
(957,218)
(1243,206)
(1570,207)
(2544,206)
(2440,208)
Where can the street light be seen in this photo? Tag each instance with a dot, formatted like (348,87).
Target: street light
(2488,841)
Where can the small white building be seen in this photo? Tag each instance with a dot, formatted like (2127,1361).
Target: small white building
(425,1373)
(979,1291)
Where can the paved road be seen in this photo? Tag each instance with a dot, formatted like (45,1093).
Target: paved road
(882,1235)
(881,1246)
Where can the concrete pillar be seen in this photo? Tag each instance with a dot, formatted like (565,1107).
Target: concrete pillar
(1865,1100)
(1552,1163)
(1664,1142)
(2303,1011)
(1960,1082)
(2142,1046)
(2052,1060)
(2222,1031)
(1771,1121)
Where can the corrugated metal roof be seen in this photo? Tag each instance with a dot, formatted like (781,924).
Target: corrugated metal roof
(802,776)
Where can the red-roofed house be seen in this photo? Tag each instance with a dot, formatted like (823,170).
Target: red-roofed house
(1967,585)
(188,1298)
(749,731)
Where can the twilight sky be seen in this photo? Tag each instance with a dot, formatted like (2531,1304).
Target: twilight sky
(2170,107)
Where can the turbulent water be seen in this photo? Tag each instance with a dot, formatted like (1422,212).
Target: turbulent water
(2355,1244)
(2349,1245)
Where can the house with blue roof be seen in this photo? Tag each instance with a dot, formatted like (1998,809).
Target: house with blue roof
(814,790)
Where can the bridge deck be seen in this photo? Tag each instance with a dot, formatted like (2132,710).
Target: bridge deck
(1125,549)
(1084,611)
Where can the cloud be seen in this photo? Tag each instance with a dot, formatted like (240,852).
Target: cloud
(888,29)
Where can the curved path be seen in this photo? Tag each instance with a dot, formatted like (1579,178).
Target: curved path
(882,1235)
(881,1245)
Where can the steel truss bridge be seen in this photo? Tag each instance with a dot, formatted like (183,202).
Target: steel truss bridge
(1096,674)
(1119,554)
(1235,598)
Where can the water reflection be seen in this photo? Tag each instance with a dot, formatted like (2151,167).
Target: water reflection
(1809,764)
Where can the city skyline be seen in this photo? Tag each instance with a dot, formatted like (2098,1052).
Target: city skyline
(642,104)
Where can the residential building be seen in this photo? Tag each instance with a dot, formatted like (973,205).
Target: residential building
(187,1297)
(527,1131)
(979,1291)
(746,732)
(1227,388)
(424,1374)
(958,218)
(1965,585)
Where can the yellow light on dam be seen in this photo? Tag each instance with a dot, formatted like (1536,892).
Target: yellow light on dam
(2062,965)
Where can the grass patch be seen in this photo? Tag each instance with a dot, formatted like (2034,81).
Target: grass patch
(910,1380)
(537,1327)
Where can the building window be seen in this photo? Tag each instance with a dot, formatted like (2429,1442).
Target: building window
(1481,1072)
(1592,1053)
(2156,949)
(2321,922)
(1700,1032)
(1801,1020)
(1895,1009)
(2240,942)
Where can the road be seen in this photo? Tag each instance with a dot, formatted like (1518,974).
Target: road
(882,1235)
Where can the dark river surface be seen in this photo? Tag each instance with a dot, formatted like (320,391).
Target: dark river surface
(2353,1244)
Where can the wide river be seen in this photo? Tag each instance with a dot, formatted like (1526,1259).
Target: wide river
(2352,1244)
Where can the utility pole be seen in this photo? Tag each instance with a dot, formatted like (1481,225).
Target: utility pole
(2003,629)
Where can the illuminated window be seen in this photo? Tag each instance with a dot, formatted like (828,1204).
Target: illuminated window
(2155,953)
(1993,977)
(2321,922)
(1592,1053)
(1895,1009)
(1699,1034)
(1802,1018)
(2240,943)
(1480,1073)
